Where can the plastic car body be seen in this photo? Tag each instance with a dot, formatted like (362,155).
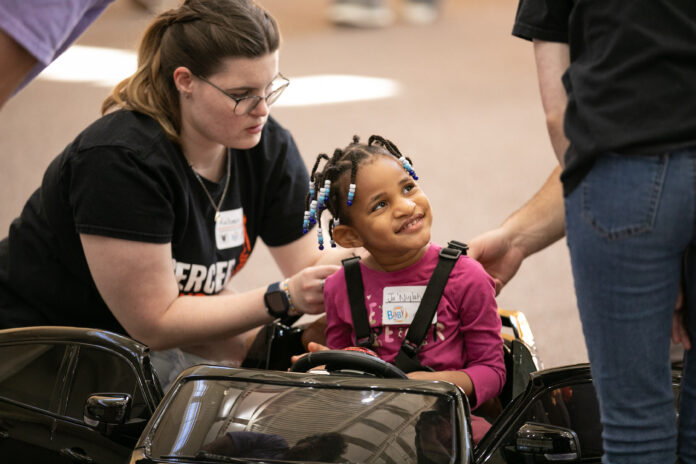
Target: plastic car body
(71,395)
(220,414)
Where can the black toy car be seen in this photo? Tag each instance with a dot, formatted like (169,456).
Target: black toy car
(220,414)
(88,396)
(70,395)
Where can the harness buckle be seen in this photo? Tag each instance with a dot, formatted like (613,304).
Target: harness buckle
(410,348)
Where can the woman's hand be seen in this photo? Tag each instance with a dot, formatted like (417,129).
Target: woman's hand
(307,288)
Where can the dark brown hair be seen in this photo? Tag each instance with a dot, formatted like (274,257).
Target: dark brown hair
(199,35)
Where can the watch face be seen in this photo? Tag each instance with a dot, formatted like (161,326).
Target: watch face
(276,302)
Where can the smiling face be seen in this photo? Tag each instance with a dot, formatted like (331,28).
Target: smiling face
(390,215)
(208,116)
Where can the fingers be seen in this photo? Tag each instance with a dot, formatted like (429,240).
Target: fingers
(311,348)
(323,271)
(680,299)
(314,346)
(307,287)
(498,285)
(297,357)
(679,333)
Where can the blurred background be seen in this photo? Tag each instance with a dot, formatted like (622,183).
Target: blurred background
(458,95)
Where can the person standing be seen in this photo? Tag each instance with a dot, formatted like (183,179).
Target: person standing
(623,123)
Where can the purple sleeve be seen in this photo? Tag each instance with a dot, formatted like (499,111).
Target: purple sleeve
(338,319)
(45,28)
(481,327)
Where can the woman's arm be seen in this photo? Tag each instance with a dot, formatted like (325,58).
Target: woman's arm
(137,282)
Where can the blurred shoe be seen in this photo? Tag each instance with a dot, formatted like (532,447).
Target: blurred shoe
(361,13)
(420,11)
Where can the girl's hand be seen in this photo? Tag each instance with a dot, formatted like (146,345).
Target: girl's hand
(307,288)
(311,347)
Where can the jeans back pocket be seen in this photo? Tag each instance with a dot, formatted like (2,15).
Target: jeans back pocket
(621,194)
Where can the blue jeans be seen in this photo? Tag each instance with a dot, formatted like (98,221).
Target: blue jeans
(628,226)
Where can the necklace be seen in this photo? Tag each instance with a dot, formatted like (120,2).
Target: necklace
(224,191)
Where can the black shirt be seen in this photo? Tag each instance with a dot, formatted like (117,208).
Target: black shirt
(631,83)
(123,178)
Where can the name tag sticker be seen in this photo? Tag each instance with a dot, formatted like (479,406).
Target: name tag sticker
(399,304)
(229,229)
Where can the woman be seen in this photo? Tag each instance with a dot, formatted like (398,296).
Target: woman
(160,201)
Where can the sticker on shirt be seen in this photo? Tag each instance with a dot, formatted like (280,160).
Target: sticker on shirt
(399,304)
(229,229)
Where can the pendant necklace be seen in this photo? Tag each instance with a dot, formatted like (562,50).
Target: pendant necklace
(224,191)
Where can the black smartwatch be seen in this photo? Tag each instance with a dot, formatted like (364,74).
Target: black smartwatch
(276,300)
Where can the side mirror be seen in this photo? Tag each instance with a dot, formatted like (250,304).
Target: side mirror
(106,410)
(547,443)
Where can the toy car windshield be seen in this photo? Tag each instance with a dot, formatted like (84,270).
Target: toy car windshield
(240,420)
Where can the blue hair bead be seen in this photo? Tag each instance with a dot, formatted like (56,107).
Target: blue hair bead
(311,189)
(305,223)
(322,198)
(407,166)
(327,189)
(320,238)
(313,212)
(351,194)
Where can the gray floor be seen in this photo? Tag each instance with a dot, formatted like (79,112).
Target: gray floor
(468,113)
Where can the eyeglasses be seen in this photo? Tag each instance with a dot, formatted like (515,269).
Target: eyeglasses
(244,105)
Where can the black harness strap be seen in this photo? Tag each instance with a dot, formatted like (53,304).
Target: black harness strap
(406,359)
(356,297)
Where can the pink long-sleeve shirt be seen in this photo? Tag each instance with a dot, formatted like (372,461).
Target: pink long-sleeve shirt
(466,335)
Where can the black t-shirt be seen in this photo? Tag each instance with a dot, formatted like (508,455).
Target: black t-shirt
(631,83)
(123,178)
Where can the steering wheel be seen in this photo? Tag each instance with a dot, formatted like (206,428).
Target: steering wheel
(338,360)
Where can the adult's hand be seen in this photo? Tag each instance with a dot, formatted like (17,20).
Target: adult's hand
(307,288)
(679,333)
(538,224)
(496,253)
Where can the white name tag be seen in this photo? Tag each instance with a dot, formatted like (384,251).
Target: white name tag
(399,304)
(229,229)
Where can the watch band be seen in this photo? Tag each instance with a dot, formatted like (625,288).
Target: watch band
(292,311)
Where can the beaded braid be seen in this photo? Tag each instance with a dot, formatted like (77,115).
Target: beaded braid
(404,160)
(342,161)
(310,214)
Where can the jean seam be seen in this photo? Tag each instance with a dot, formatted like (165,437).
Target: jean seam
(628,231)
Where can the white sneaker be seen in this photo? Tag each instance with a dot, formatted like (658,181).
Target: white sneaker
(420,11)
(361,13)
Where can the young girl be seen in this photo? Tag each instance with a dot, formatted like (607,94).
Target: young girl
(376,204)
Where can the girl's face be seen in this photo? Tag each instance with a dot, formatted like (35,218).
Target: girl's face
(208,115)
(390,215)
